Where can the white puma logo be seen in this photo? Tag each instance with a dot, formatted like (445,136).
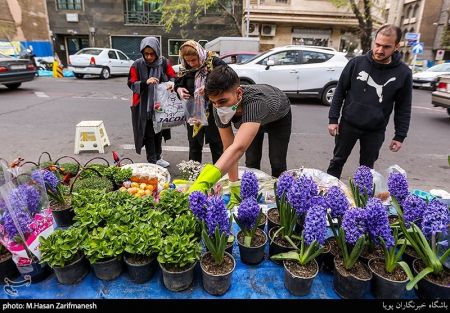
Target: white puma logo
(379,88)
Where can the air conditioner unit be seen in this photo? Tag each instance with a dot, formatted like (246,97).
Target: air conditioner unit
(253,29)
(268,30)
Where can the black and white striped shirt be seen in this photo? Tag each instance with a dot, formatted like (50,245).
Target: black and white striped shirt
(261,104)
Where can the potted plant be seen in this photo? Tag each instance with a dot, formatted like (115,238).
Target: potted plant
(104,247)
(251,239)
(432,277)
(284,184)
(362,186)
(250,189)
(389,274)
(300,266)
(62,251)
(60,202)
(177,259)
(217,265)
(142,244)
(351,277)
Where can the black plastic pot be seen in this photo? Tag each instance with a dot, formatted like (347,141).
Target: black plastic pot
(109,269)
(36,271)
(262,224)
(428,289)
(252,255)
(297,285)
(141,273)
(275,248)
(229,247)
(64,217)
(8,269)
(298,229)
(217,284)
(384,288)
(408,257)
(72,273)
(327,258)
(178,281)
(349,286)
(271,224)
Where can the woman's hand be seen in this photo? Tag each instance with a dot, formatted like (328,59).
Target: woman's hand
(170,86)
(183,93)
(152,80)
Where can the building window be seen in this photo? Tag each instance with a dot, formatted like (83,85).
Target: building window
(141,12)
(69,5)
(174,46)
(281,1)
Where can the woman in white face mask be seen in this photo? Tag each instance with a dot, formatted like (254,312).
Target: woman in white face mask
(253,110)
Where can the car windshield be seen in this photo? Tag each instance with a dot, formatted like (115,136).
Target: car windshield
(254,57)
(89,51)
(445,67)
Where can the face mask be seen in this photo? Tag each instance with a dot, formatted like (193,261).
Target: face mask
(227,113)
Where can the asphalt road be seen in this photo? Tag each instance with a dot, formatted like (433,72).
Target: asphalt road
(42,114)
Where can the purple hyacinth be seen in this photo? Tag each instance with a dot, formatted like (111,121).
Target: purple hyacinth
(38,176)
(217,215)
(300,194)
(435,219)
(31,197)
(51,180)
(198,202)
(398,186)
(248,212)
(285,182)
(315,225)
(337,202)
(249,185)
(354,224)
(378,222)
(318,200)
(23,219)
(363,179)
(413,209)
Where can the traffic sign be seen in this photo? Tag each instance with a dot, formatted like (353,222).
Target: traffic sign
(417,48)
(412,36)
(440,55)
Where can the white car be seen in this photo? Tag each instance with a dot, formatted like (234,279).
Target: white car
(428,78)
(99,61)
(296,70)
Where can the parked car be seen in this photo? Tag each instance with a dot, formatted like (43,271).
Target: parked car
(296,70)
(99,61)
(441,97)
(428,78)
(13,72)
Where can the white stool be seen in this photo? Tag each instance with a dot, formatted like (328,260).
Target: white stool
(90,135)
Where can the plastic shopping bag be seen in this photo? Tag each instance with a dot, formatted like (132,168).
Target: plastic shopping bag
(168,109)
(195,111)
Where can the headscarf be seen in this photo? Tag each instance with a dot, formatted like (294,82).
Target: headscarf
(201,72)
(151,69)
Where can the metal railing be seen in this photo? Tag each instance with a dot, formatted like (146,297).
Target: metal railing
(142,18)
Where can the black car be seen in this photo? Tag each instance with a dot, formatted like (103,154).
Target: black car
(13,72)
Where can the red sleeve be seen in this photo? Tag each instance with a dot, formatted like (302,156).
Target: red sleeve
(132,78)
(170,72)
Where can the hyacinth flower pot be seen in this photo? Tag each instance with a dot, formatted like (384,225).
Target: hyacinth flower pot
(140,269)
(353,283)
(230,244)
(8,268)
(255,253)
(387,285)
(409,256)
(263,222)
(320,259)
(74,272)
(299,224)
(273,218)
(432,286)
(327,257)
(298,278)
(278,244)
(108,269)
(36,271)
(177,279)
(368,254)
(217,278)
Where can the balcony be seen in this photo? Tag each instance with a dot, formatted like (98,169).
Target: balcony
(142,18)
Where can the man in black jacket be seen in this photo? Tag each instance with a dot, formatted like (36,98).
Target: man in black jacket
(370,87)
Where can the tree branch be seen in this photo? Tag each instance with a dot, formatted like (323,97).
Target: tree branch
(236,22)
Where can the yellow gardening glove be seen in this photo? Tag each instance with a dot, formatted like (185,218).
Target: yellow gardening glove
(235,191)
(206,179)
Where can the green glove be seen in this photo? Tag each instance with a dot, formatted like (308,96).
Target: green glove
(235,191)
(206,179)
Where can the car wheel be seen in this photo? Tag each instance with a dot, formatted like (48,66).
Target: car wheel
(327,94)
(79,75)
(448,111)
(105,73)
(13,86)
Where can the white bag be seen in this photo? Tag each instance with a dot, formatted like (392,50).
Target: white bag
(168,109)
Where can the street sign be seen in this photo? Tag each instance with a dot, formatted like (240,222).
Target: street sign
(417,48)
(412,36)
(440,55)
